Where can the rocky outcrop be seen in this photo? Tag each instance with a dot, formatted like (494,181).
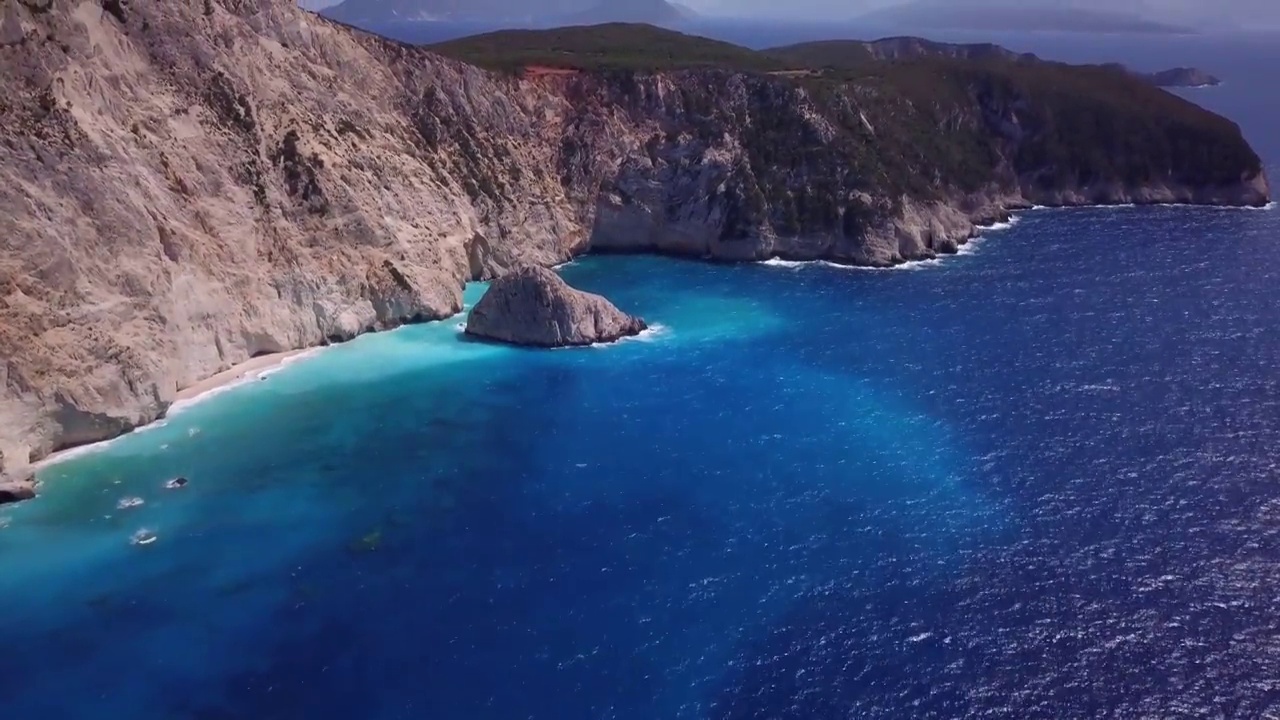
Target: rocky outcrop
(17,482)
(1181,77)
(185,185)
(17,489)
(533,306)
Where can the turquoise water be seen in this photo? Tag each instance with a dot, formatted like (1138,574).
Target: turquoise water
(1039,474)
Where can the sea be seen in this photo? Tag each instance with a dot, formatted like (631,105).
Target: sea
(1039,479)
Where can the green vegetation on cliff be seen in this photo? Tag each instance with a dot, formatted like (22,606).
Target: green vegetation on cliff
(618,46)
(922,117)
(1076,123)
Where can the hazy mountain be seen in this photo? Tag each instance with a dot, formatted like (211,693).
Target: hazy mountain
(363,12)
(359,12)
(854,54)
(999,16)
(654,12)
(1198,14)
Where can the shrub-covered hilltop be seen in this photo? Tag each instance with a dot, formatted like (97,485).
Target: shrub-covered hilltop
(836,135)
(185,185)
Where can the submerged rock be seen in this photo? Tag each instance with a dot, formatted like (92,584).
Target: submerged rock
(176,483)
(533,306)
(17,489)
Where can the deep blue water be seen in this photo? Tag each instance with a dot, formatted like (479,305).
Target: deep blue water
(1039,479)
(1036,479)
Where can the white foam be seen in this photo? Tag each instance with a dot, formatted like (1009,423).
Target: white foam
(1246,208)
(181,406)
(999,226)
(245,378)
(800,264)
(143,537)
(653,333)
(1197,206)
(970,247)
(793,264)
(129,502)
(1225,208)
(286,362)
(174,409)
(90,449)
(917,264)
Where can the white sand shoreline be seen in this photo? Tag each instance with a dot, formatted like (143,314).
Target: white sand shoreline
(236,374)
(187,397)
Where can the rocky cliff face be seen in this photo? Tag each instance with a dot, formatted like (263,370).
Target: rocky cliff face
(184,185)
(16,489)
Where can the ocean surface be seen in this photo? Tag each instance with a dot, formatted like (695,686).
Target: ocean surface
(1038,479)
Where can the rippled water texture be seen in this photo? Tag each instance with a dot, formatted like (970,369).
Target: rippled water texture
(1039,479)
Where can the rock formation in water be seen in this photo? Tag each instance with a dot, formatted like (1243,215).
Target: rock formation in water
(534,306)
(185,185)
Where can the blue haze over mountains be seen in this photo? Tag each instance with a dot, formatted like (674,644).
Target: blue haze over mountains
(906,15)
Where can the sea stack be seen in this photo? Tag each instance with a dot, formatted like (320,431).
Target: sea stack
(532,306)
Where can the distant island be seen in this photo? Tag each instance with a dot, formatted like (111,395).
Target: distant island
(837,53)
(998,16)
(548,12)
(1181,77)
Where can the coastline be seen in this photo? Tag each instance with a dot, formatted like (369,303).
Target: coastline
(236,375)
(262,365)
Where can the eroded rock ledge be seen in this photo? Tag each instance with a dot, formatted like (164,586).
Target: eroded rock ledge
(17,489)
(533,306)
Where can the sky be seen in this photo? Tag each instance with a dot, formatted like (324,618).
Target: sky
(1244,13)
(1193,12)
